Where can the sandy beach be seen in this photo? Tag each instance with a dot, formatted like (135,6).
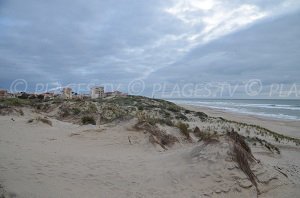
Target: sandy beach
(114,160)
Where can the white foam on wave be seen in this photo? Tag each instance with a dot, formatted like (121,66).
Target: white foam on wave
(242,108)
(271,106)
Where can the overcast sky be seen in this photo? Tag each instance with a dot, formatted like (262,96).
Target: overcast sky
(116,41)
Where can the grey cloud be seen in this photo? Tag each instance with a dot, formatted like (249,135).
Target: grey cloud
(268,51)
(75,41)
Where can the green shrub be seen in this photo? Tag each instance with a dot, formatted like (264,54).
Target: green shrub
(143,117)
(88,120)
(187,111)
(65,112)
(173,108)
(14,102)
(92,108)
(181,117)
(76,111)
(201,115)
(57,100)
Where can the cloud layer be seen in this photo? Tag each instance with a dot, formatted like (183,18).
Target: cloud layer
(76,41)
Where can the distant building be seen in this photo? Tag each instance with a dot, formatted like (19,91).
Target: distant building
(97,92)
(67,93)
(3,93)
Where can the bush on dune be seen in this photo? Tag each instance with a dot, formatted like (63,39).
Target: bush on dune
(14,102)
(88,120)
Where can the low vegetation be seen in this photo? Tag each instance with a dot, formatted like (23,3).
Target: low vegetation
(14,102)
(184,129)
(205,136)
(156,112)
(201,115)
(264,143)
(157,135)
(262,131)
(88,120)
(44,120)
(143,116)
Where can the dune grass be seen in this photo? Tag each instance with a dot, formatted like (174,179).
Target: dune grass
(243,156)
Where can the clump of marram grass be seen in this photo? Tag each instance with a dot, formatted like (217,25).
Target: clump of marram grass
(7,110)
(265,143)
(262,130)
(243,156)
(206,136)
(157,135)
(44,120)
(144,117)
(184,129)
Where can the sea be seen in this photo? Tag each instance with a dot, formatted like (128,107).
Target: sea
(271,108)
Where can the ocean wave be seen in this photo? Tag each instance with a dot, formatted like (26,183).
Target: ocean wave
(228,104)
(248,108)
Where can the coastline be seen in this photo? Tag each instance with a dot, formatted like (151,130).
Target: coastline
(286,127)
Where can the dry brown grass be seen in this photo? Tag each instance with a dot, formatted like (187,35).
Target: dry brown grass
(44,120)
(157,135)
(243,155)
(6,110)
(238,139)
(184,129)
(206,136)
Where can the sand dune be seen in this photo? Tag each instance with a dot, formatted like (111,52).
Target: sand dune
(287,127)
(67,160)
